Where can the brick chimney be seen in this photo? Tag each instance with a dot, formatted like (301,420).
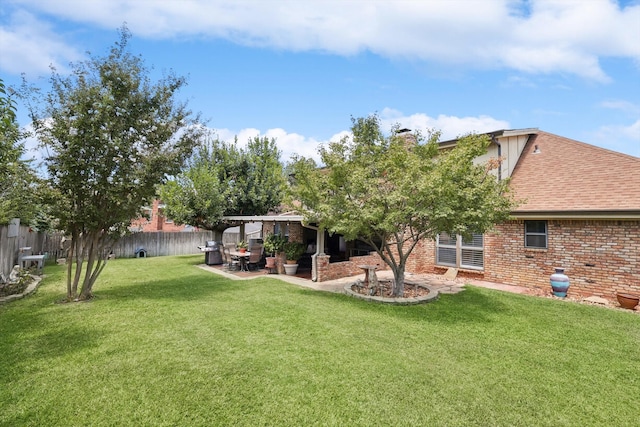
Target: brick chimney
(409,138)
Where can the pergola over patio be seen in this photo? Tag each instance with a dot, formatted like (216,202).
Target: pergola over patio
(321,267)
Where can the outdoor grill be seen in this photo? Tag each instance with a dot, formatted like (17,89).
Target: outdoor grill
(212,255)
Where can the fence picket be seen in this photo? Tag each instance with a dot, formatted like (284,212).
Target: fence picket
(155,244)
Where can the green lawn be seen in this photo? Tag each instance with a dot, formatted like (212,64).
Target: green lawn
(167,344)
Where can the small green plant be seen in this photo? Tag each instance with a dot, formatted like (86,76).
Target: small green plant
(242,245)
(274,243)
(294,250)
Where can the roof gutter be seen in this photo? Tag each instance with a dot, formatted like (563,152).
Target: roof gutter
(583,215)
(263,218)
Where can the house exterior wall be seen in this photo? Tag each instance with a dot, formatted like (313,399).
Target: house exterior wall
(294,230)
(601,257)
(156,221)
(338,270)
(508,152)
(294,233)
(267,228)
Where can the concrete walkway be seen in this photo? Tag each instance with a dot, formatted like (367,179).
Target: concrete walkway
(437,282)
(434,281)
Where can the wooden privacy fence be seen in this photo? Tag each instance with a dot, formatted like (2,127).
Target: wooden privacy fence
(12,238)
(163,243)
(49,244)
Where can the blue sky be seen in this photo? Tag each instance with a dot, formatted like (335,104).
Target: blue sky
(298,70)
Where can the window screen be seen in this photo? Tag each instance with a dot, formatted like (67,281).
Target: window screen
(535,234)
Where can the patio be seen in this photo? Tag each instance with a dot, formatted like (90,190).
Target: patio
(434,281)
(437,282)
(252,274)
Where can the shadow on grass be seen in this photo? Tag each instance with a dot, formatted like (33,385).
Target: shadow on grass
(24,347)
(63,341)
(191,287)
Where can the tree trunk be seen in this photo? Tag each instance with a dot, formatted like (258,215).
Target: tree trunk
(87,247)
(398,275)
(80,249)
(98,254)
(85,290)
(69,259)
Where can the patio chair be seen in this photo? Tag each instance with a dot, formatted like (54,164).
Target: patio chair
(255,257)
(230,262)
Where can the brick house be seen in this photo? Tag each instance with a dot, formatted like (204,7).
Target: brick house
(154,220)
(580,211)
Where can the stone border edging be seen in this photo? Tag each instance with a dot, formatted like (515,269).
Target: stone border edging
(28,291)
(431,296)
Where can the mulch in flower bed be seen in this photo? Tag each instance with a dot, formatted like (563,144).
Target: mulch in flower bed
(385,287)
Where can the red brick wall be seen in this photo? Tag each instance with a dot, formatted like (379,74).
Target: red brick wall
(295,230)
(337,270)
(422,259)
(157,222)
(267,228)
(600,257)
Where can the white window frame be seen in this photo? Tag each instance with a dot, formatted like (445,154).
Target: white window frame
(462,248)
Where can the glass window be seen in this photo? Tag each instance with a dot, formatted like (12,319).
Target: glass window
(535,234)
(454,251)
(471,252)
(281,229)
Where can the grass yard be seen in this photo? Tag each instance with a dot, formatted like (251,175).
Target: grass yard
(167,344)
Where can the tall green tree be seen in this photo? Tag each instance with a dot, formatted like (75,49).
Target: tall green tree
(393,191)
(113,135)
(18,182)
(223,179)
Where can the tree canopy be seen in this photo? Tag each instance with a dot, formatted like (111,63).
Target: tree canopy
(393,191)
(223,179)
(18,183)
(113,135)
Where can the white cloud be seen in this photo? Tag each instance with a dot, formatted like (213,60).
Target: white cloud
(288,143)
(622,105)
(30,45)
(293,143)
(621,138)
(450,126)
(34,151)
(534,36)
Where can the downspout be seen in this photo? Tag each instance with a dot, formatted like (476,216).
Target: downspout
(319,250)
(495,140)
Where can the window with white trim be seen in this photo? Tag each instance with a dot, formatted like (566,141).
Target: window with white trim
(456,251)
(535,234)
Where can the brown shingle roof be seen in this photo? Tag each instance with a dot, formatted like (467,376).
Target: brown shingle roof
(571,176)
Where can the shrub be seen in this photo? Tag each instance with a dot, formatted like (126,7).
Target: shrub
(294,250)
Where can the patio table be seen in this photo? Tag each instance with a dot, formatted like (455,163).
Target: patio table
(243,257)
